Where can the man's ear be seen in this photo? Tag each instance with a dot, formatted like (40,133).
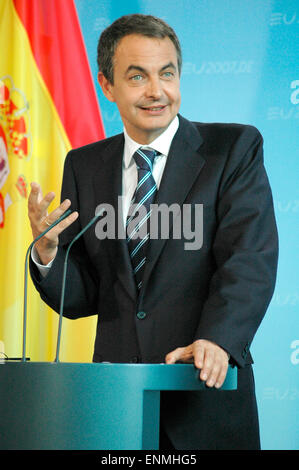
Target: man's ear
(106,86)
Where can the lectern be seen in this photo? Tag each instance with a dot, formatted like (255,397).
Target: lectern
(76,406)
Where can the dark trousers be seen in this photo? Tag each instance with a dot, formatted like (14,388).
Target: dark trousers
(164,441)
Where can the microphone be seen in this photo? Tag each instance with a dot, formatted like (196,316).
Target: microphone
(90,223)
(26,278)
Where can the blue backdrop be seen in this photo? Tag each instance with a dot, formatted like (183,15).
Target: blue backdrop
(240,64)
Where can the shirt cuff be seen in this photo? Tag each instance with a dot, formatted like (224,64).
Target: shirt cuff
(43,268)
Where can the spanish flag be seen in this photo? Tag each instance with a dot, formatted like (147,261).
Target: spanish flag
(48,105)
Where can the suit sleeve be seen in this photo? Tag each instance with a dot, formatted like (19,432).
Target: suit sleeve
(245,249)
(82,285)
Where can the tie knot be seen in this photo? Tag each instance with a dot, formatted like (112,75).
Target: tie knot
(144,158)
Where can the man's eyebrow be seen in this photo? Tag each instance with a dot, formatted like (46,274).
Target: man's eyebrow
(141,69)
(170,65)
(135,67)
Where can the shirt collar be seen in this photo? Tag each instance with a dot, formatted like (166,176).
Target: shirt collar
(161,144)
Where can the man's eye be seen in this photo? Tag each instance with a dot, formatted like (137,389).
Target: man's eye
(168,74)
(136,78)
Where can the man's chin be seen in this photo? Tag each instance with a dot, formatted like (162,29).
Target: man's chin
(154,131)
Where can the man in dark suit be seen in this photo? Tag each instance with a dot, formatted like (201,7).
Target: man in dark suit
(199,305)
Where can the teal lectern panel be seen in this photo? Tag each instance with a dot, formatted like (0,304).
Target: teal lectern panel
(68,406)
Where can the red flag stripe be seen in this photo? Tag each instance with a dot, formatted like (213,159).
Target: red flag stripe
(57,44)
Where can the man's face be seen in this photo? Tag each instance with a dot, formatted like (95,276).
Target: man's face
(146,85)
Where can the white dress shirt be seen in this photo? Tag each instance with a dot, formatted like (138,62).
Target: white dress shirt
(129,173)
(129,170)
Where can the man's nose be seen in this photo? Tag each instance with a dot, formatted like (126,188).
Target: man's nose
(154,89)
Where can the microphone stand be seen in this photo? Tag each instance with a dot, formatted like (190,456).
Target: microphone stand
(92,221)
(26,278)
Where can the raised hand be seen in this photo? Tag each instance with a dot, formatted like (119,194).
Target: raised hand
(40,218)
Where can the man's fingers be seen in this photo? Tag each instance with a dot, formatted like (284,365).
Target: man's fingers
(221,376)
(40,220)
(212,361)
(199,353)
(45,202)
(217,375)
(208,363)
(37,204)
(180,354)
(207,356)
(214,373)
(35,195)
(65,223)
(173,356)
(58,212)
(214,369)
(47,245)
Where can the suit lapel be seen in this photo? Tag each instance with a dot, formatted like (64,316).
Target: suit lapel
(183,166)
(108,189)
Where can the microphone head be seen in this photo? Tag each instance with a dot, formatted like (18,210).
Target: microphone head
(100,211)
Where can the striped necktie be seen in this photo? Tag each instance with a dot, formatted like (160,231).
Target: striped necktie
(137,228)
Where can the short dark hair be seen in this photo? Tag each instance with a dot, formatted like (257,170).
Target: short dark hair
(145,25)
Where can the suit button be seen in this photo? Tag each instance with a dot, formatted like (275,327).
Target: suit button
(141,315)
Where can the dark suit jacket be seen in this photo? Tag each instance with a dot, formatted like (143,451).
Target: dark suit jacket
(219,292)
